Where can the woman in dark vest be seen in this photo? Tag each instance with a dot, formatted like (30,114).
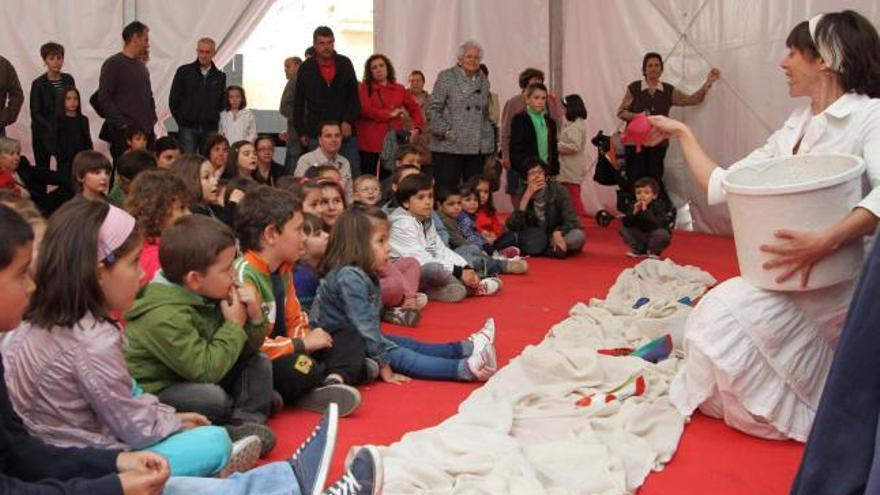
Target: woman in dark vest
(655,97)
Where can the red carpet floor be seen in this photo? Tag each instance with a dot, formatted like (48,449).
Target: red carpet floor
(711,457)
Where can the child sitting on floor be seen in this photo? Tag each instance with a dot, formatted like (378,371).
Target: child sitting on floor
(65,369)
(333,202)
(197,174)
(305,274)
(544,222)
(156,199)
(645,229)
(194,336)
(484,218)
(473,247)
(270,232)
(129,166)
(167,150)
(446,276)
(367,190)
(348,305)
(91,175)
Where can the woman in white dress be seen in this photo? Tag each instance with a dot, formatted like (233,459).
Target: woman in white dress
(758,358)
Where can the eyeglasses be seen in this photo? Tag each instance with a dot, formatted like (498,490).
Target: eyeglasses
(365,189)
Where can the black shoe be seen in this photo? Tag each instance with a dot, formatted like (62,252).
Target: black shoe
(311,461)
(371,370)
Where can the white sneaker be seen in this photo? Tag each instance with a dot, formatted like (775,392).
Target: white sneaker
(421,300)
(484,364)
(489,286)
(483,337)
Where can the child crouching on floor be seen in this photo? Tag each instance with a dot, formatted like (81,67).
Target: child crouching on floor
(269,224)
(645,228)
(446,276)
(348,305)
(194,337)
(65,369)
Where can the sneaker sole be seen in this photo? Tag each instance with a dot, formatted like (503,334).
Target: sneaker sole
(263,432)
(453,293)
(244,458)
(346,398)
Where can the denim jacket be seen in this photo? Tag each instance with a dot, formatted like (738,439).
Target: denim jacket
(349,298)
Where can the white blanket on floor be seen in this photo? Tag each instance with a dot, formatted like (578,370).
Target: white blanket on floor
(521,433)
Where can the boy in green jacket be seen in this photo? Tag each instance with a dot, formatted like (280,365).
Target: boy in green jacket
(194,336)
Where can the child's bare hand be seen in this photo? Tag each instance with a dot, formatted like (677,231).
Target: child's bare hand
(559,241)
(249,296)
(389,376)
(232,308)
(317,339)
(489,236)
(192,420)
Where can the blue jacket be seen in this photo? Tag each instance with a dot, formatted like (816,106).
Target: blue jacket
(349,298)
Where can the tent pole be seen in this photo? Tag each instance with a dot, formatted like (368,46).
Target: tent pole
(557,34)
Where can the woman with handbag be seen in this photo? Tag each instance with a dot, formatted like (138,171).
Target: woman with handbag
(380,127)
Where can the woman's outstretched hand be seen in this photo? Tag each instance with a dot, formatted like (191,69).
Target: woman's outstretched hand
(797,253)
(663,128)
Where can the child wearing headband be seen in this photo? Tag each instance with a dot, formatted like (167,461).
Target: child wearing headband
(65,370)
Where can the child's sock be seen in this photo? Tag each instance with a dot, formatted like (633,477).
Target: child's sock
(479,366)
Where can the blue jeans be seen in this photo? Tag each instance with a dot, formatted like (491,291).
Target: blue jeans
(349,150)
(485,265)
(427,361)
(192,139)
(276,478)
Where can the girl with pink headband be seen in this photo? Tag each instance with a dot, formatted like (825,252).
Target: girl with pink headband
(65,369)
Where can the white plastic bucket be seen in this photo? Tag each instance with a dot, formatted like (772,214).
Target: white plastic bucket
(803,192)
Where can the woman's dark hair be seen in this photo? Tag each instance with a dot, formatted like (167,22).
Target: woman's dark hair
(232,160)
(16,233)
(230,89)
(59,107)
(529,74)
(214,140)
(152,197)
(189,168)
(243,184)
(648,56)
(85,162)
(856,38)
(411,185)
(349,243)
(574,108)
(368,75)
(67,275)
(418,73)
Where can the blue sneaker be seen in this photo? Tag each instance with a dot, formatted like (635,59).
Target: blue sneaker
(311,461)
(363,474)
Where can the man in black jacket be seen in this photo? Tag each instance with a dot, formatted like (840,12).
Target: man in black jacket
(196,97)
(327,90)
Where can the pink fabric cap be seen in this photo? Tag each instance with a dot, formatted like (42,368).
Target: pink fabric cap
(117,226)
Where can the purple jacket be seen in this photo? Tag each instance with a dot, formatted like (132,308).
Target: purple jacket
(72,388)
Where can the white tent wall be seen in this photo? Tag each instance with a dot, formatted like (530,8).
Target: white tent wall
(91,31)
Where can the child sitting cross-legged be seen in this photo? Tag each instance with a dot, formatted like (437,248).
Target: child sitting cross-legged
(270,230)
(645,229)
(66,373)
(348,306)
(480,215)
(194,336)
(446,276)
(471,245)
(305,274)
